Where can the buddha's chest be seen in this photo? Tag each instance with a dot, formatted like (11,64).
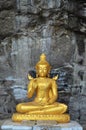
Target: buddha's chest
(43,84)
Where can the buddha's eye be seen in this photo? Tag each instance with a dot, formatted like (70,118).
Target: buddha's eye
(42,68)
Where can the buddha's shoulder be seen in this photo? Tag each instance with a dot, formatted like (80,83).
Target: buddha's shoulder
(33,80)
(46,79)
(50,79)
(37,79)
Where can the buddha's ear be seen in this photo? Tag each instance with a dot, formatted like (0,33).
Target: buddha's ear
(49,69)
(37,76)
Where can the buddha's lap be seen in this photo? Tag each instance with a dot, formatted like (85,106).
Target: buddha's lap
(30,106)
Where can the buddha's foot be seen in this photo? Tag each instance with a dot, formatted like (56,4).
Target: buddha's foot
(60,118)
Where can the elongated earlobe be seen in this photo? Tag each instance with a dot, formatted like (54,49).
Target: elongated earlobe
(36,75)
(48,75)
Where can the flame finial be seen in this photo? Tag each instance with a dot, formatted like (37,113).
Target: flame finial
(43,57)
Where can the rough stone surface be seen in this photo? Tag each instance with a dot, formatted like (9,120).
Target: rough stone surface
(55,27)
(7,101)
(6,23)
(7,4)
(40,125)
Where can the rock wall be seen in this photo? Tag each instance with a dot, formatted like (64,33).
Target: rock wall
(54,27)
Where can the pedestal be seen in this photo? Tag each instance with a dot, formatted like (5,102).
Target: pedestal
(40,125)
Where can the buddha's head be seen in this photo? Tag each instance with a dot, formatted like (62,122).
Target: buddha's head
(43,67)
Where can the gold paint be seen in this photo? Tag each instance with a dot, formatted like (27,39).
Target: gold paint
(44,106)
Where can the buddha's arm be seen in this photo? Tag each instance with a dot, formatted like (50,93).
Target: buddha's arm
(54,92)
(31,88)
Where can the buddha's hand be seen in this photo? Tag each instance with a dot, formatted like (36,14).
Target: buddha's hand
(48,102)
(44,103)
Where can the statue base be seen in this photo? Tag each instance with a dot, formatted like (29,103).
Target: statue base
(60,118)
(40,125)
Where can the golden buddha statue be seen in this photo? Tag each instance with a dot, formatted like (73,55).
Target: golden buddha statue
(44,106)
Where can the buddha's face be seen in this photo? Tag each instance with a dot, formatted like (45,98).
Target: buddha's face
(42,70)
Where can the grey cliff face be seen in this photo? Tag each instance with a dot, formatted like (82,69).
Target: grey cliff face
(54,27)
